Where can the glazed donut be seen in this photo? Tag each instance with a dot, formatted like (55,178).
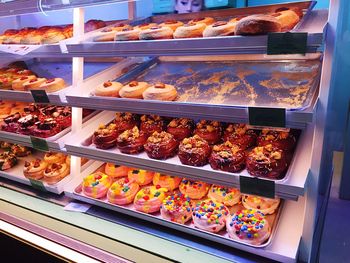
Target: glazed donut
(108,34)
(194,151)
(149,199)
(257,25)
(68,160)
(210,216)
(7,160)
(176,208)
(172,24)
(108,89)
(204,20)
(279,139)
(122,192)
(152,123)
(131,141)
(33,83)
(249,226)
(220,28)
(56,158)
(266,206)
(224,195)
(18,84)
(125,121)
(115,171)
(55,172)
(127,34)
(266,161)
(161,145)
(160,91)
(190,30)
(52,85)
(227,157)
(20,151)
(180,128)
(141,177)
(34,169)
(166,181)
(133,90)
(209,130)
(240,135)
(288,18)
(96,185)
(53,35)
(105,137)
(145,26)
(193,189)
(156,32)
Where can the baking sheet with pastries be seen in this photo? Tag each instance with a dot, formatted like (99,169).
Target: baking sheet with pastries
(284,84)
(272,219)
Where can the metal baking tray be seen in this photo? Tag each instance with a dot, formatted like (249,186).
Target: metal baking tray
(221,237)
(289,84)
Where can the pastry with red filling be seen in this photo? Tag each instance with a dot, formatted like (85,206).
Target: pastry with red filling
(105,136)
(239,134)
(194,151)
(151,124)
(161,145)
(209,131)
(131,141)
(181,128)
(279,139)
(46,128)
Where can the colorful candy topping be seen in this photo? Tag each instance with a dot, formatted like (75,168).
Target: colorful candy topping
(177,202)
(248,223)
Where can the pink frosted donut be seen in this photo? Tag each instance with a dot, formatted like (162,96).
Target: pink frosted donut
(141,177)
(96,185)
(176,208)
(166,181)
(122,192)
(116,171)
(149,199)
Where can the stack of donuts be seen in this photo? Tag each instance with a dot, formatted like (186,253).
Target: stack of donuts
(212,208)
(281,20)
(22,79)
(226,147)
(45,34)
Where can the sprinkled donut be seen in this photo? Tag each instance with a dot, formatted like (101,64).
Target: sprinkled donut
(141,177)
(96,185)
(224,195)
(122,192)
(149,199)
(195,190)
(176,208)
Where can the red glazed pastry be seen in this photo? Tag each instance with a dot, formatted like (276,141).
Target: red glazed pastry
(105,137)
(209,131)
(161,145)
(152,123)
(63,116)
(279,139)
(25,124)
(181,128)
(240,135)
(125,121)
(131,141)
(266,161)
(194,151)
(11,123)
(46,128)
(227,157)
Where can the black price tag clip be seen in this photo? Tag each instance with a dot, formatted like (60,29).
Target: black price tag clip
(256,186)
(40,96)
(286,43)
(272,117)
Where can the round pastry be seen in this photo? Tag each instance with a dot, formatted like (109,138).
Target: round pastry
(23,73)
(125,121)
(205,20)
(145,26)
(194,151)
(18,84)
(115,171)
(209,131)
(133,90)
(249,226)
(190,30)
(52,85)
(56,158)
(257,25)
(160,91)
(166,181)
(131,141)
(176,208)
(93,24)
(240,135)
(279,139)
(108,89)
(53,35)
(34,169)
(220,28)
(108,34)
(122,192)
(34,83)
(224,195)
(266,161)
(33,38)
(55,172)
(161,146)
(116,27)
(141,177)
(266,206)
(173,24)
(156,32)
(288,18)
(227,157)
(68,160)
(20,151)
(193,189)
(7,160)
(151,124)
(105,137)
(149,199)
(6,146)
(5,38)
(127,34)
(180,128)
(96,185)
(210,216)
(46,128)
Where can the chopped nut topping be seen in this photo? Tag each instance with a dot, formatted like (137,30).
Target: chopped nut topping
(160,86)
(276,155)
(133,83)
(107,84)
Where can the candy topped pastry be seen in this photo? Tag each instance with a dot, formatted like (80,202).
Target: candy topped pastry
(141,177)
(239,134)
(176,208)
(264,205)
(149,199)
(96,185)
(116,171)
(224,195)
(166,181)
(122,192)
(193,189)
(209,131)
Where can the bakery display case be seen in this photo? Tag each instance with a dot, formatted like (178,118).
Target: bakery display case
(228,116)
